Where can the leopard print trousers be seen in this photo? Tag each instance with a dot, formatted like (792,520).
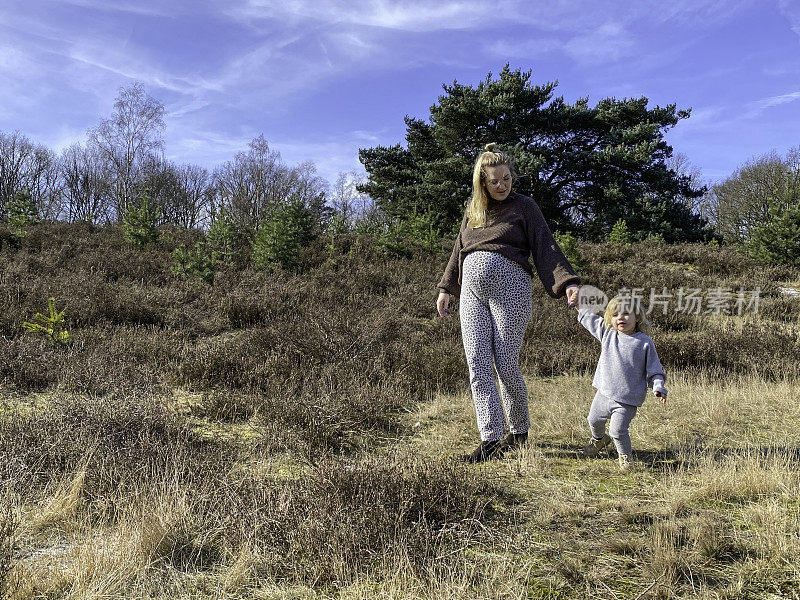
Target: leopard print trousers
(495,308)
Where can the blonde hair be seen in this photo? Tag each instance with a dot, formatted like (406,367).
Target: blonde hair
(476,209)
(631,305)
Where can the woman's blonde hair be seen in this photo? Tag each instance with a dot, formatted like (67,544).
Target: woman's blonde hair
(627,304)
(476,209)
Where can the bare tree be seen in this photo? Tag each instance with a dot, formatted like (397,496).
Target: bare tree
(194,206)
(742,201)
(311,190)
(680,165)
(252,184)
(86,194)
(158,179)
(127,139)
(46,189)
(25,166)
(346,201)
(182,192)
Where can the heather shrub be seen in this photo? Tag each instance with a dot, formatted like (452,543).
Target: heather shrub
(345,519)
(30,364)
(8,528)
(783,308)
(261,424)
(719,350)
(120,442)
(364,326)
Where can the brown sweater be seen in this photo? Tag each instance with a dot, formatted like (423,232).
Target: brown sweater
(516,229)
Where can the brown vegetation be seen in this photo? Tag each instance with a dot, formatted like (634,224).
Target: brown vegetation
(292,435)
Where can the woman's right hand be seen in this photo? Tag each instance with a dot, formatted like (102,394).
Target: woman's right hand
(442,303)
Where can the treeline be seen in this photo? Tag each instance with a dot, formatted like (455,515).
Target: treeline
(758,207)
(122,161)
(602,172)
(593,170)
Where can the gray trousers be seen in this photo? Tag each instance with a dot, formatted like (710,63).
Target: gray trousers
(495,308)
(619,417)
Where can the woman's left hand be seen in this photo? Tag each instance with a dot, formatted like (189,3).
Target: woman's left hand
(572,295)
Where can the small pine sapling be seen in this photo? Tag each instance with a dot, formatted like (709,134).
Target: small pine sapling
(139,224)
(194,262)
(569,246)
(52,327)
(620,234)
(21,212)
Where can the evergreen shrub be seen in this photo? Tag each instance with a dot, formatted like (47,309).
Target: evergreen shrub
(278,241)
(21,212)
(139,223)
(195,262)
(52,326)
(777,240)
(569,246)
(620,234)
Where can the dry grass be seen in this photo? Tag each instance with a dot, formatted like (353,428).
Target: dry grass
(703,515)
(706,514)
(293,435)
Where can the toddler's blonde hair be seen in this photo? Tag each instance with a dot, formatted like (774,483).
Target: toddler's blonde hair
(631,305)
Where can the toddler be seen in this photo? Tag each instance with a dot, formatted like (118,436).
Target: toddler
(628,365)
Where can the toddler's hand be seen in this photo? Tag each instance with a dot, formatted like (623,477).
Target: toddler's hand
(661,396)
(572,296)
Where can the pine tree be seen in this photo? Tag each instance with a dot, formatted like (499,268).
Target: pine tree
(569,246)
(21,212)
(777,240)
(586,166)
(139,224)
(224,237)
(195,262)
(280,238)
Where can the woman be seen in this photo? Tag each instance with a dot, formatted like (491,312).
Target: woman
(489,268)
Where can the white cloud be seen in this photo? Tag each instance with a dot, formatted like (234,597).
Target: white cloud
(704,116)
(608,43)
(147,8)
(330,156)
(791,10)
(530,48)
(64,136)
(701,14)
(778,100)
(408,16)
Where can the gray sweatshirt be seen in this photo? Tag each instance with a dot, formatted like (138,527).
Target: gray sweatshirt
(628,364)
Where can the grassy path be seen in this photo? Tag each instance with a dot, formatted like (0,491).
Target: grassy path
(711,511)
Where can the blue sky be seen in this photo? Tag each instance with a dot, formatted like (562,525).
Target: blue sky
(322,79)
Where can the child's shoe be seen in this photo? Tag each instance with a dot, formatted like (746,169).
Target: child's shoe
(592,449)
(625,462)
